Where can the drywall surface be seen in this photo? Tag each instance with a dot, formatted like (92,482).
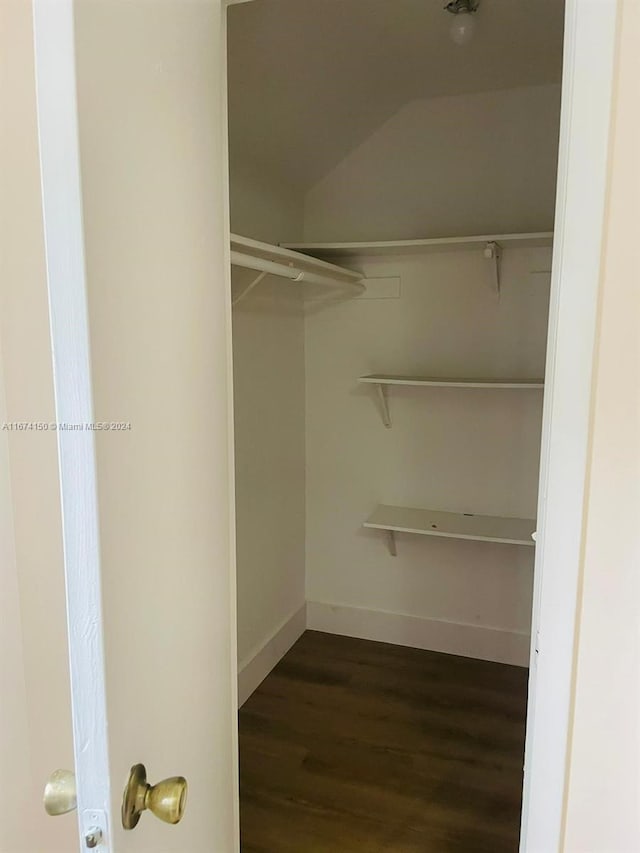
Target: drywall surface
(32,619)
(268,353)
(261,205)
(268,373)
(604,782)
(461,450)
(470,164)
(311,80)
(14,728)
(35,712)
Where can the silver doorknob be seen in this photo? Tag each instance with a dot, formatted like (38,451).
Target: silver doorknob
(60,793)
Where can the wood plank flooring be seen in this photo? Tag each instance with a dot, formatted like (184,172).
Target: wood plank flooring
(351,746)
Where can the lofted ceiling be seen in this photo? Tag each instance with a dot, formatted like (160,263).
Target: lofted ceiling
(309,80)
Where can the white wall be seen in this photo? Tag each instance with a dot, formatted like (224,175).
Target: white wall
(268,370)
(471,164)
(35,713)
(262,206)
(468,451)
(602,814)
(14,728)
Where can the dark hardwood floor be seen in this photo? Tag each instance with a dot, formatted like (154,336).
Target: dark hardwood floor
(351,745)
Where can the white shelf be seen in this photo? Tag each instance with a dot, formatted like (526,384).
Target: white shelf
(382,380)
(266,259)
(439,382)
(440,244)
(451,525)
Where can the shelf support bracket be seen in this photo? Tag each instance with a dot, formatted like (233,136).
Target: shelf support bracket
(391,542)
(248,289)
(493,252)
(384,405)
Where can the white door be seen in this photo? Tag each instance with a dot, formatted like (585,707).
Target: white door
(130,99)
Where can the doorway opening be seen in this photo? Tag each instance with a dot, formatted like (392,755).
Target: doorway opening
(392,200)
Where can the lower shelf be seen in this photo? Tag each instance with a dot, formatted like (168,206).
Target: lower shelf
(451,525)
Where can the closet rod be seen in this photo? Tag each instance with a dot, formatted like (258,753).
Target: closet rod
(239,259)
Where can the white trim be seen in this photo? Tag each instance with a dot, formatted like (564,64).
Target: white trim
(590,38)
(233,574)
(436,635)
(253,670)
(64,238)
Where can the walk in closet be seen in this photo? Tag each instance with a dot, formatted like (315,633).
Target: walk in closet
(392,188)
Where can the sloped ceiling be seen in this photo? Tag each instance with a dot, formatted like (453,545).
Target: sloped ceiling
(310,79)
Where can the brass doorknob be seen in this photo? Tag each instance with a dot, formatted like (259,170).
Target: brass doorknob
(60,792)
(166,800)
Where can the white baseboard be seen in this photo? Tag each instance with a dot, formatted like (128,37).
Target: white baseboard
(256,667)
(438,635)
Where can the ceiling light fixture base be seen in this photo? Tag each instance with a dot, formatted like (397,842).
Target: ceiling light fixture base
(463,23)
(462,6)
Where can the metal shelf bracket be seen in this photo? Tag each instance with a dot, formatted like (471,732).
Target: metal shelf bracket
(248,289)
(493,252)
(391,543)
(384,405)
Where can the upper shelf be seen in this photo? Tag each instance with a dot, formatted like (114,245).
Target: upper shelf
(266,259)
(440,382)
(440,244)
